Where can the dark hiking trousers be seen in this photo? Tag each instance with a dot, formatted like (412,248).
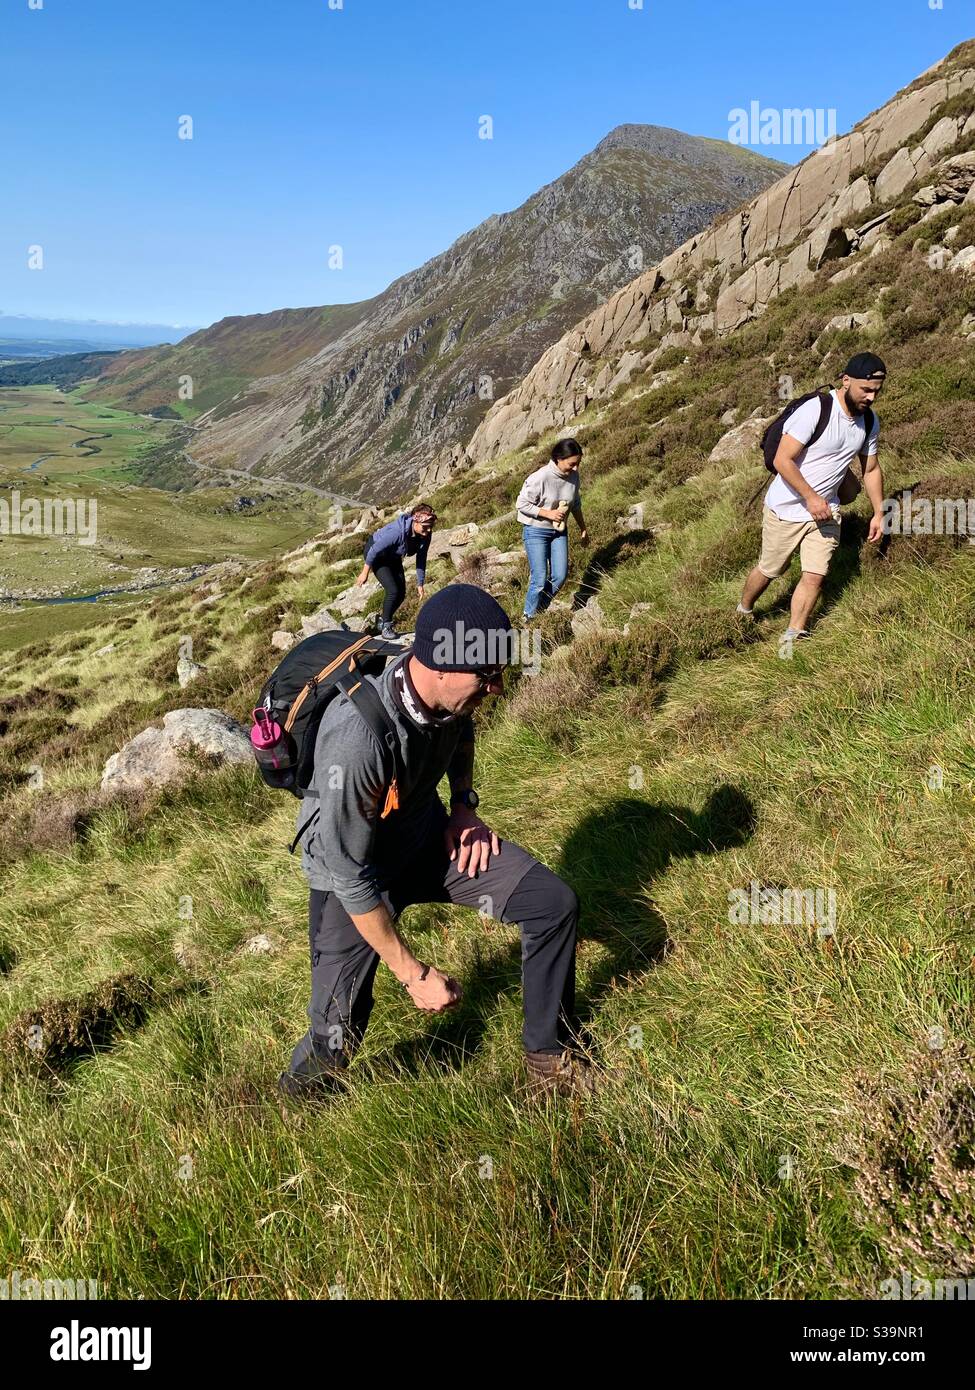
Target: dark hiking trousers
(514,888)
(389,571)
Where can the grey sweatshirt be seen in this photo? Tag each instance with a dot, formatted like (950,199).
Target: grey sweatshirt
(547,487)
(350,850)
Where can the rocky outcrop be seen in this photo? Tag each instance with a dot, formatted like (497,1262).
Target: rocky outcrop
(189,738)
(722,278)
(743,439)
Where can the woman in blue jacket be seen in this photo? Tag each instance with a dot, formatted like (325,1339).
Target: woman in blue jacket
(408,534)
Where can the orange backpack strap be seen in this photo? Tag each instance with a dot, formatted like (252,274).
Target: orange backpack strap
(362,694)
(392,799)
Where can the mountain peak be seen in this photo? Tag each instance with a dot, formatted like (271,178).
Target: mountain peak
(670,144)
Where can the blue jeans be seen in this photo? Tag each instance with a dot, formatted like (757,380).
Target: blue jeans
(548,561)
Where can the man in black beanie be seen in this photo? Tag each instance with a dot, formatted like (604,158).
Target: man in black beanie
(367,859)
(820,439)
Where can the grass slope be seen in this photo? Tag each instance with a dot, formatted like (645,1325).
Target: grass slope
(789,1113)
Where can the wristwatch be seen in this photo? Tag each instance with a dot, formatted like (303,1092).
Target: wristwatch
(469,797)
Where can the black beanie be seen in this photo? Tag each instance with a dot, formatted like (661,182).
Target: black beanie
(865,366)
(462,628)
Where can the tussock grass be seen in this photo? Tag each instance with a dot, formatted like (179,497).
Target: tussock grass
(787,1112)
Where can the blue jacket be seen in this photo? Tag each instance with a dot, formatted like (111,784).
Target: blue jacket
(398,538)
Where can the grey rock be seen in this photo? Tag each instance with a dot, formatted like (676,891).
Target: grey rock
(260,945)
(157,756)
(743,439)
(590,618)
(187,671)
(964,260)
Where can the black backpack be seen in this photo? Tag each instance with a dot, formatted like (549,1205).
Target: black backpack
(300,689)
(772,437)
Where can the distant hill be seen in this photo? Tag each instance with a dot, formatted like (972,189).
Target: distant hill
(45,337)
(63,371)
(358,397)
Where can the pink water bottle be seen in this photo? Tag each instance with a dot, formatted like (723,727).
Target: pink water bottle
(269,742)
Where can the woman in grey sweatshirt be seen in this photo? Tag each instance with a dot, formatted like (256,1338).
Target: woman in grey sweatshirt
(546,498)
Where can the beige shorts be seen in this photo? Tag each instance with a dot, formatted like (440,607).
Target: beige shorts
(815,541)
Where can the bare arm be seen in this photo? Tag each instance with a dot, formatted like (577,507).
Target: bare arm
(785,465)
(873,486)
(432,995)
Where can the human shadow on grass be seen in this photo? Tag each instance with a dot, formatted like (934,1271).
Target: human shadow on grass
(611,859)
(600,564)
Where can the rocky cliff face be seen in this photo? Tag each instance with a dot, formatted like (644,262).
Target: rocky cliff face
(831,205)
(414,370)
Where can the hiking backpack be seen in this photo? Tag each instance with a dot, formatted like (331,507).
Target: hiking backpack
(296,695)
(772,437)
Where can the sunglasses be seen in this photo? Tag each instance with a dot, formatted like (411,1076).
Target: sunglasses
(488,675)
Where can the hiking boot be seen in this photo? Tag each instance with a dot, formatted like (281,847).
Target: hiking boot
(318,1082)
(564,1073)
(389,634)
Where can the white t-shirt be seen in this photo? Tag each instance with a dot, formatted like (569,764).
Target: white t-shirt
(823,464)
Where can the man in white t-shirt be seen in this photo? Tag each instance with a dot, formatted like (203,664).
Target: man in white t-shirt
(802,505)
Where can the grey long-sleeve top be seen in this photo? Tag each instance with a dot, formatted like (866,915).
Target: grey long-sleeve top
(547,487)
(350,850)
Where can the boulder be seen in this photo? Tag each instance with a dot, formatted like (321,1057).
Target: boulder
(964,260)
(368,521)
(187,671)
(956,177)
(446,542)
(589,619)
(941,136)
(743,439)
(868,321)
(966,328)
(872,235)
(627,365)
(259,945)
(283,641)
(323,620)
(354,600)
(938,258)
(159,756)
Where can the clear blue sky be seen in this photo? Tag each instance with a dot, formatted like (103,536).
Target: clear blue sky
(358,127)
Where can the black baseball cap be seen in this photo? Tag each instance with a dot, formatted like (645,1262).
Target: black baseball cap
(865,366)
